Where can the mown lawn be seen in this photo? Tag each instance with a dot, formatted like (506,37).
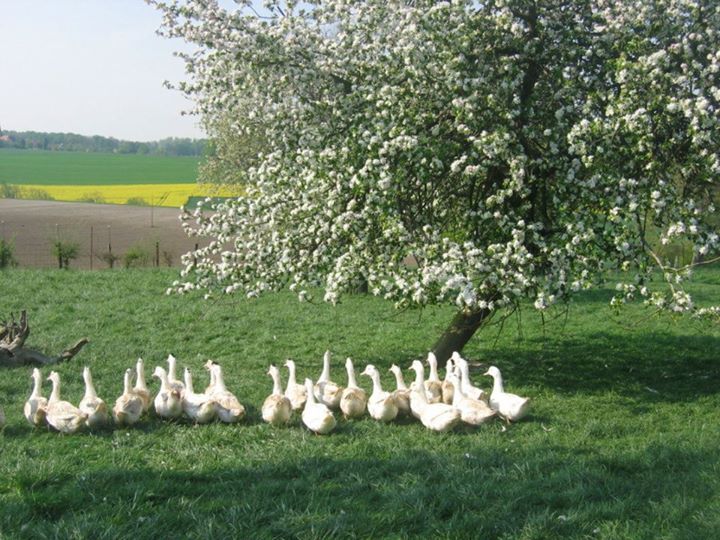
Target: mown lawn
(623,441)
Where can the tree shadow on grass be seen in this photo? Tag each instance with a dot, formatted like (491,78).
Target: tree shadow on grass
(665,367)
(482,492)
(651,365)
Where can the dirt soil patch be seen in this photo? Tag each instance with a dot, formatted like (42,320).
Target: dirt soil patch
(33,226)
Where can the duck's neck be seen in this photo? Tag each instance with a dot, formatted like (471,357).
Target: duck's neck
(164,381)
(465,375)
(219,383)
(377,386)
(433,369)
(325,375)
(36,387)
(171,368)
(126,383)
(55,394)
(277,384)
(399,380)
(418,399)
(457,390)
(89,388)
(352,382)
(309,391)
(449,371)
(420,377)
(497,384)
(292,381)
(140,379)
(189,382)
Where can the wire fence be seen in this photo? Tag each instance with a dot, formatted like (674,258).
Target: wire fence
(95,236)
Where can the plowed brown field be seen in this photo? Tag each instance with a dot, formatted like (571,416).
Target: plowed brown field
(34,225)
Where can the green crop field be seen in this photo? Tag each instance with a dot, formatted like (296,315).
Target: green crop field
(38,167)
(622,442)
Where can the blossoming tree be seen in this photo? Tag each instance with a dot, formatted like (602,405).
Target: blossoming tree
(473,153)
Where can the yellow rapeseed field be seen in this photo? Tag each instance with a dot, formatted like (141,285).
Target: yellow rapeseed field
(174,195)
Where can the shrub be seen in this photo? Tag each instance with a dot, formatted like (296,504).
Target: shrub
(9,191)
(137,201)
(136,256)
(7,254)
(109,258)
(93,197)
(65,252)
(36,194)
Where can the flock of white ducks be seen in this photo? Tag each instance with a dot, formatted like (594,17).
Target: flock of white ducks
(440,405)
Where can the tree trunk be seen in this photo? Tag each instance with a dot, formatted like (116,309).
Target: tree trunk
(462,327)
(12,346)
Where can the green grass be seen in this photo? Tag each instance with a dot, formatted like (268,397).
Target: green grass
(39,167)
(622,442)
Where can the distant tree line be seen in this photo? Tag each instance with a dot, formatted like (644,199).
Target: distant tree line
(72,142)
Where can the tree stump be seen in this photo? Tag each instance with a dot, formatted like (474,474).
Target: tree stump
(13,352)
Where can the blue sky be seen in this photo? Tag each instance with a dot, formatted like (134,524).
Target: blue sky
(94,67)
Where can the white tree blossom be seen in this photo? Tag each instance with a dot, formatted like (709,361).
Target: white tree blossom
(474,153)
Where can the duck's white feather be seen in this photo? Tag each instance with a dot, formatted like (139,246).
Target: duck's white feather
(63,416)
(317,417)
(129,406)
(510,406)
(35,408)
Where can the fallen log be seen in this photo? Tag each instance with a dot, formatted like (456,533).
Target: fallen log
(13,352)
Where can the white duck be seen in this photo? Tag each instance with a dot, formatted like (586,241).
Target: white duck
(381,405)
(402,392)
(326,391)
(510,406)
(95,408)
(433,384)
(472,411)
(173,381)
(129,406)
(467,386)
(434,416)
(62,415)
(295,392)
(448,389)
(230,410)
(36,405)
(415,406)
(168,401)
(140,387)
(200,408)
(354,400)
(276,409)
(317,416)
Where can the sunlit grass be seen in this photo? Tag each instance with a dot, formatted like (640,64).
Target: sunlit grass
(622,441)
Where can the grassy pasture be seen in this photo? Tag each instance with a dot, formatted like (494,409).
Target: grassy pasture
(622,443)
(107,178)
(39,167)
